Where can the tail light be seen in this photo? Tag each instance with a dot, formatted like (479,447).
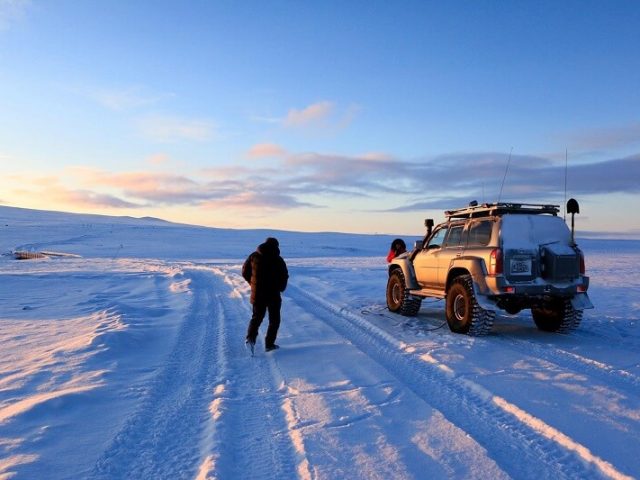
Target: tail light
(583,268)
(495,262)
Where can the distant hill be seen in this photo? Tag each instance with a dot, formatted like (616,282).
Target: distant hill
(28,215)
(23,229)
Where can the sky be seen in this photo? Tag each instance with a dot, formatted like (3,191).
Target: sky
(358,116)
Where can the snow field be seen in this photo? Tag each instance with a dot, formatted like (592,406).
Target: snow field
(134,366)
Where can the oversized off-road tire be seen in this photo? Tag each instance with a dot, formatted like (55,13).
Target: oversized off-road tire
(557,316)
(399,300)
(464,314)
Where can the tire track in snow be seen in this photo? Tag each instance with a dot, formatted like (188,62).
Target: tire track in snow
(576,363)
(250,437)
(518,442)
(161,440)
(54,243)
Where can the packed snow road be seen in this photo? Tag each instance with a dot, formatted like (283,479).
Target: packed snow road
(129,368)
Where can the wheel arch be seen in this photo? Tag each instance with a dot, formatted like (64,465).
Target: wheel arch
(473,267)
(406,267)
(469,266)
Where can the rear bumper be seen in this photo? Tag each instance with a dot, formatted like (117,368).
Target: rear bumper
(536,292)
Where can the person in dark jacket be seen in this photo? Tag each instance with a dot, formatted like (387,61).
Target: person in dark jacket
(267,273)
(397,247)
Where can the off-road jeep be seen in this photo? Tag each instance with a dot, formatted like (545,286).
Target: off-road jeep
(486,257)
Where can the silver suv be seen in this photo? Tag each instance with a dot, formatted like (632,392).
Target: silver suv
(495,256)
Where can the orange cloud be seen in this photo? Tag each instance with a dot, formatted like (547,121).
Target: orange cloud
(376,157)
(86,198)
(313,114)
(266,150)
(158,159)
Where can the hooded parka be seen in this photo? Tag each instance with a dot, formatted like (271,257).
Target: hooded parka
(266,271)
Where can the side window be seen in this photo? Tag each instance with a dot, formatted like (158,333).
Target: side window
(455,236)
(437,238)
(480,233)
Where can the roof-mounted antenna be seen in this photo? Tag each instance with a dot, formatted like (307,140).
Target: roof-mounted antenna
(566,168)
(505,174)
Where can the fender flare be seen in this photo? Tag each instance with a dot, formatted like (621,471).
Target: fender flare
(478,271)
(405,265)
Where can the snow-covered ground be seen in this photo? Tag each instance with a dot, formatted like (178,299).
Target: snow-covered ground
(128,361)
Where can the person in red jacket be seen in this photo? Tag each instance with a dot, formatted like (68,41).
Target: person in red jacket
(266,272)
(397,247)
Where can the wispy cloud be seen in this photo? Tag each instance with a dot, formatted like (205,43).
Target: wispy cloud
(128,98)
(152,187)
(529,178)
(356,174)
(312,114)
(86,198)
(378,182)
(158,159)
(51,187)
(266,150)
(617,175)
(259,201)
(323,115)
(607,138)
(12,11)
(247,189)
(167,128)
(376,156)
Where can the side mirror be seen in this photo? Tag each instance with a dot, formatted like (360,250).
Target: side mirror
(417,245)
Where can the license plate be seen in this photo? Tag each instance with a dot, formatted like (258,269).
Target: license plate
(520,267)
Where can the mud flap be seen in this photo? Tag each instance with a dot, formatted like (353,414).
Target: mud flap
(581,302)
(483,300)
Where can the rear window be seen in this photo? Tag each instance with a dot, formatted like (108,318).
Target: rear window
(480,233)
(526,231)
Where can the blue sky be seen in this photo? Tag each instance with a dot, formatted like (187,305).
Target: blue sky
(350,116)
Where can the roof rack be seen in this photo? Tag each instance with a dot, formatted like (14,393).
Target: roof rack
(491,209)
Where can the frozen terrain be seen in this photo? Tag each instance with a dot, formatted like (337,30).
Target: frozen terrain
(125,358)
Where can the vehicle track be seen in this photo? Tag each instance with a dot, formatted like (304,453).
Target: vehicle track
(161,439)
(517,441)
(40,245)
(615,377)
(211,410)
(251,438)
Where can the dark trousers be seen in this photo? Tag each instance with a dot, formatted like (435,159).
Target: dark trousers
(259,311)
